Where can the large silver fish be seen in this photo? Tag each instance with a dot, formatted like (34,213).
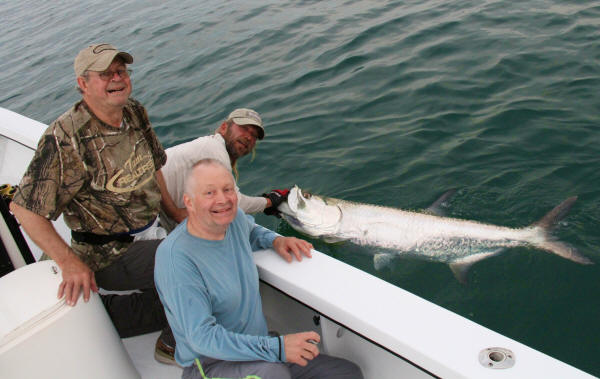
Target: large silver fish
(460,243)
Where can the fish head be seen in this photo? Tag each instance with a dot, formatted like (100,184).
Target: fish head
(310,214)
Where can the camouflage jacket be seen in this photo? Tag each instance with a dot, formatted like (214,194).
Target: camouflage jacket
(100,177)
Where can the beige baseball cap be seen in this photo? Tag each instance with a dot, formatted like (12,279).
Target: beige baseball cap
(244,116)
(98,58)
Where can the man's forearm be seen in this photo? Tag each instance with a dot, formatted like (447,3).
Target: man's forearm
(252,204)
(167,202)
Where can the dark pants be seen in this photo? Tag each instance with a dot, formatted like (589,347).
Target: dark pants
(139,312)
(322,367)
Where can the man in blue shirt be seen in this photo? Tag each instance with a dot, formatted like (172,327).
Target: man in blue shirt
(208,283)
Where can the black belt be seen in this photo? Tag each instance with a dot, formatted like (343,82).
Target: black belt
(103,239)
(99,239)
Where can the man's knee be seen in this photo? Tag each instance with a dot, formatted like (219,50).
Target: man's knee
(327,366)
(249,370)
(344,369)
(351,371)
(272,371)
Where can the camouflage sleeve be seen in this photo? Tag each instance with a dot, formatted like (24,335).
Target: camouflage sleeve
(54,176)
(158,152)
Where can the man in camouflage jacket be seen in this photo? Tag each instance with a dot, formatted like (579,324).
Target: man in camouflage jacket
(97,165)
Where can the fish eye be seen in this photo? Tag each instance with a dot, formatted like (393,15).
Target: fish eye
(306,194)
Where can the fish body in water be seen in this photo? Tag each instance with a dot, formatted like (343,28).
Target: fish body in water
(460,243)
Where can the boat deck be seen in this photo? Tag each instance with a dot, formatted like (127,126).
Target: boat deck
(141,351)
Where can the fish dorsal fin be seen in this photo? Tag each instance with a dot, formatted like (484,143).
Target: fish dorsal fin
(381,260)
(437,207)
(460,267)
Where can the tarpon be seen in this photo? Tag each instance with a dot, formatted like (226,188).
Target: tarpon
(460,243)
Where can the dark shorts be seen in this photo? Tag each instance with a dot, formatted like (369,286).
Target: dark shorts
(139,312)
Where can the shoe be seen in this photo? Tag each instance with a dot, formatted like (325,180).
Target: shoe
(163,352)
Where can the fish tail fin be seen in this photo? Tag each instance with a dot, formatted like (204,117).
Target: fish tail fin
(549,222)
(564,250)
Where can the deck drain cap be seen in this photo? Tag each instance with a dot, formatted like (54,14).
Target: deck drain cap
(497,357)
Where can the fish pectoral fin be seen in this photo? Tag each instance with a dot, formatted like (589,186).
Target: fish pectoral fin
(460,267)
(437,208)
(381,260)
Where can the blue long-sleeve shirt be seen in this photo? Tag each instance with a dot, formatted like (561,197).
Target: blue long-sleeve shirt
(210,293)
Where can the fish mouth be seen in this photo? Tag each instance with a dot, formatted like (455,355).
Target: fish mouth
(294,198)
(288,214)
(292,220)
(289,208)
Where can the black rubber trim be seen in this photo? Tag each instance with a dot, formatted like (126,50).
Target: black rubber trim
(15,230)
(6,265)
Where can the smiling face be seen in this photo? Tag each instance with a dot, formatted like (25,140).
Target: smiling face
(211,200)
(106,96)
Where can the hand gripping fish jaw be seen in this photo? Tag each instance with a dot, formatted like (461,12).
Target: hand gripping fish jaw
(309,214)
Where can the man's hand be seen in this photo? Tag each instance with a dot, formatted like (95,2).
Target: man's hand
(75,273)
(286,245)
(299,349)
(76,276)
(274,198)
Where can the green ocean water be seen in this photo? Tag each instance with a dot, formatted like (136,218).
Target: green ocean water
(383,102)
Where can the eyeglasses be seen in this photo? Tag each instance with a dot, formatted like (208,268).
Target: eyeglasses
(108,75)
